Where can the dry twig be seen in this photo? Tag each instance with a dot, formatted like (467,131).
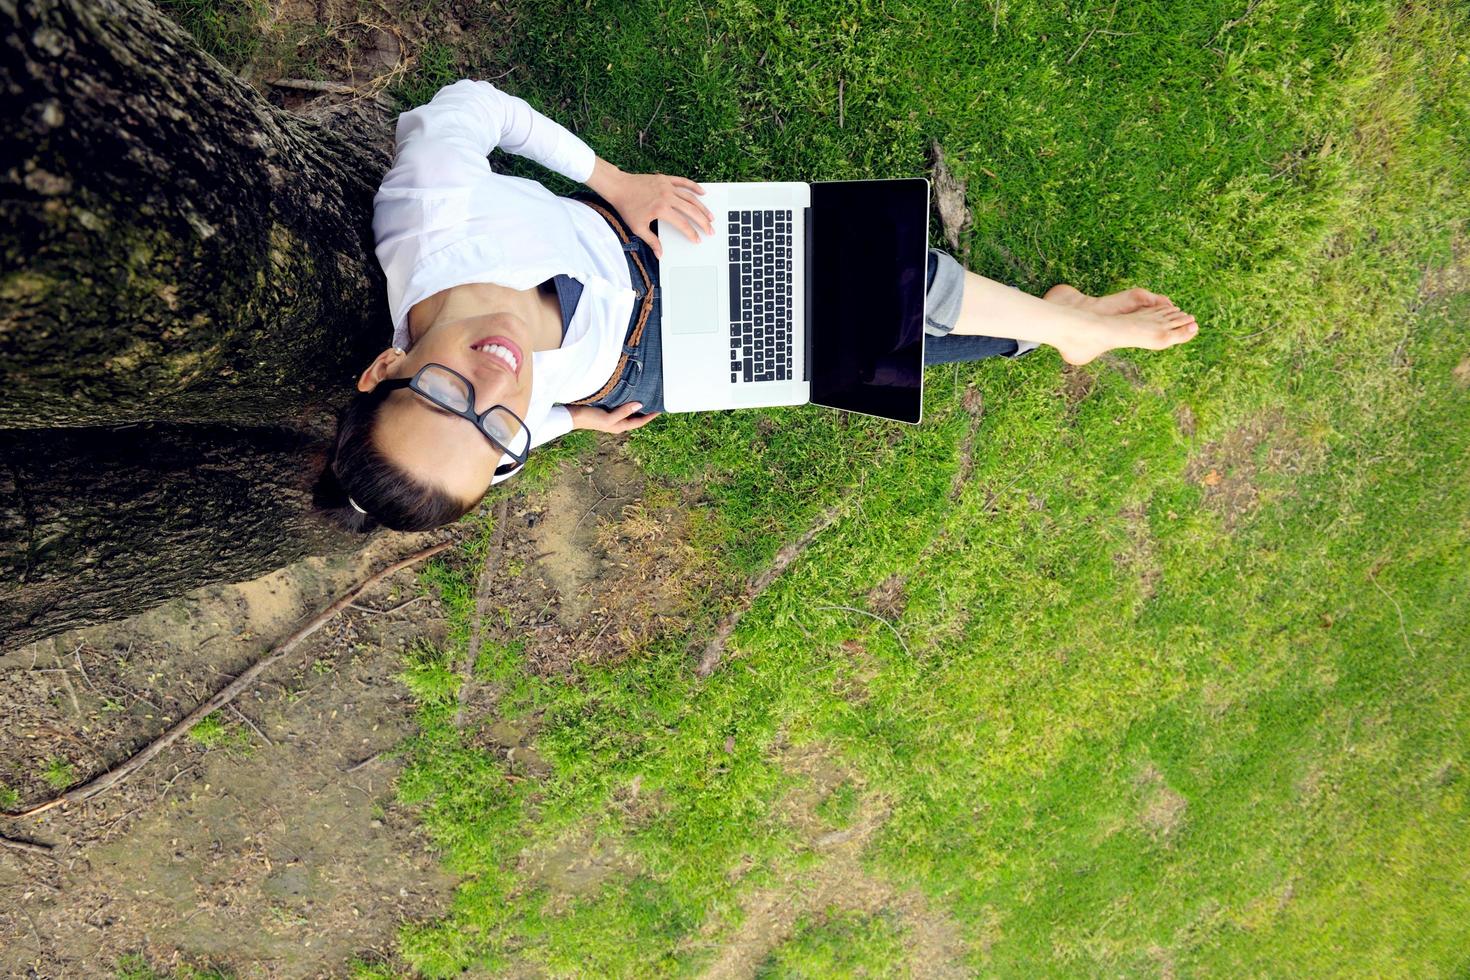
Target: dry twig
(715,649)
(477,628)
(27,847)
(363,763)
(864,612)
(226,694)
(1403,630)
(384,612)
(241,715)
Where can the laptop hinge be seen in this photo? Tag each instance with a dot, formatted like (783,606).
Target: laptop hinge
(806,272)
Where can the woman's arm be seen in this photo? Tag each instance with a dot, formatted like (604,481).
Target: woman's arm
(464,121)
(445,144)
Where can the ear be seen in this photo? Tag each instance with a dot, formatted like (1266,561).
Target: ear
(381,367)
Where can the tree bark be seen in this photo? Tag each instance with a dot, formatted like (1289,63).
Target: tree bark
(173,249)
(100,523)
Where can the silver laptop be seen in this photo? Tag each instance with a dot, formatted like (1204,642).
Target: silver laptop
(806,293)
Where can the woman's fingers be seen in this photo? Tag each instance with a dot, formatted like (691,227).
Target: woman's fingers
(708,214)
(621,420)
(694,211)
(685,220)
(628,425)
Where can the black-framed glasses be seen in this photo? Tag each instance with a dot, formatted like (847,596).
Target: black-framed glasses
(454,393)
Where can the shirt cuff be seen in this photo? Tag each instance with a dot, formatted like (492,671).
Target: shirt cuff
(558,423)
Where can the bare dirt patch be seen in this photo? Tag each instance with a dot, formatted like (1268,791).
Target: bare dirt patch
(1140,556)
(1229,468)
(955,216)
(1162,809)
(1450,279)
(597,566)
(1462,373)
(1184,418)
(936,946)
(1077,384)
(577,865)
(268,859)
(888,599)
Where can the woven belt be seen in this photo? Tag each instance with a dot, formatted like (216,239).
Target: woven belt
(630,248)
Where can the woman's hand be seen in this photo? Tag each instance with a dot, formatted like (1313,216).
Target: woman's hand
(640,198)
(610,420)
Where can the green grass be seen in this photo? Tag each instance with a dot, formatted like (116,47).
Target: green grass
(59,773)
(1136,731)
(436,66)
(228,29)
(213,732)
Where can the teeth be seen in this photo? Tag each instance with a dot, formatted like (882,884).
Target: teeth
(502,352)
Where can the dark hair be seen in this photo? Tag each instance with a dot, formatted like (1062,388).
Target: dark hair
(391,497)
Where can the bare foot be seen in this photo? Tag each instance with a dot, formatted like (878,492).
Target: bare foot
(1129,318)
(1154,328)
(1123,301)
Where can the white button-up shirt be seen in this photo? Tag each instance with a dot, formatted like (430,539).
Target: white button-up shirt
(443,218)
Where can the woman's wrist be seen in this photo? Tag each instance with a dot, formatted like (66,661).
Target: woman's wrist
(605,177)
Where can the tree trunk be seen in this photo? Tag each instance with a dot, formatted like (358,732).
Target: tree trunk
(102,523)
(175,250)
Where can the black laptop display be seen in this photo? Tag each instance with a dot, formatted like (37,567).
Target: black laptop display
(869,243)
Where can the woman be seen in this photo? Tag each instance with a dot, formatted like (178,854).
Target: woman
(519,315)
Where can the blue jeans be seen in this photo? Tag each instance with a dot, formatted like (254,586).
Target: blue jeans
(643,377)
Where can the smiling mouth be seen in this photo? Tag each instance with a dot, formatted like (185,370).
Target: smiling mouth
(502,350)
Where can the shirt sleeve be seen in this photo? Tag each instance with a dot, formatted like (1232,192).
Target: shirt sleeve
(464,121)
(558,423)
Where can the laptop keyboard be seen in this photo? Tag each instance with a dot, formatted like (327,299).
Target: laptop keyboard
(760,295)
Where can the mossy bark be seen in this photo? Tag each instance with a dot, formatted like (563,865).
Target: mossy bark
(173,249)
(101,523)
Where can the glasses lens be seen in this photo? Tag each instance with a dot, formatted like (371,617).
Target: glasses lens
(506,429)
(445,387)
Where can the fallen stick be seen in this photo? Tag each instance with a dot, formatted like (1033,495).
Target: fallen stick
(364,763)
(313,85)
(27,847)
(488,571)
(715,649)
(864,612)
(225,695)
(331,88)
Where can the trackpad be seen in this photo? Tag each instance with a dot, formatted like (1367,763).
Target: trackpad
(691,309)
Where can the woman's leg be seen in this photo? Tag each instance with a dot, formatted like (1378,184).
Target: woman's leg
(1079,326)
(944,287)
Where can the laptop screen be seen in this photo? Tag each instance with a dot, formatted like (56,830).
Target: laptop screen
(869,254)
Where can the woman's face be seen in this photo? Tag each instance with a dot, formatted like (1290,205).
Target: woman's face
(436,446)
